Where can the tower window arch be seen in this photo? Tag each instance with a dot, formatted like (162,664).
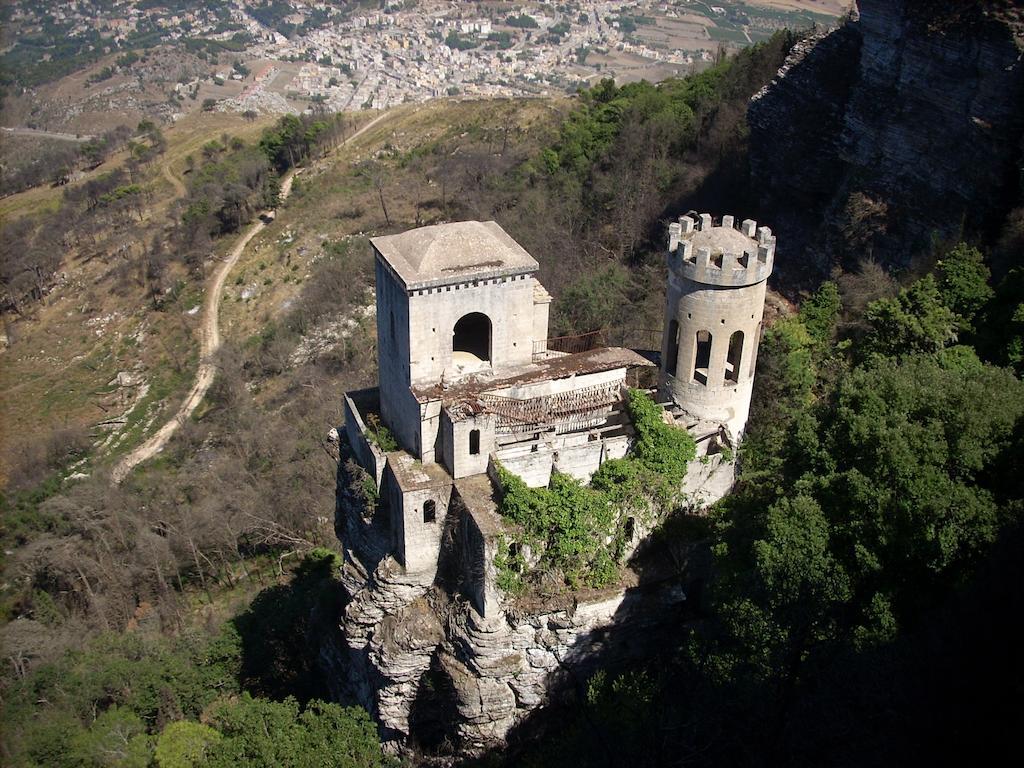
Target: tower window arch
(672,353)
(734,358)
(474,442)
(472,335)
(702,359)
(753,350)
(429,511)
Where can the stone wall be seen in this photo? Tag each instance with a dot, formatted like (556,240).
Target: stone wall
(399,409)
(418,497)
(461,462)
(579,455)
(370,457)
(506,301)
(532,462)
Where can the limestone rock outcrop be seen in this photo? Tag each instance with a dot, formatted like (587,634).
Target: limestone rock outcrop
(899,127)
(410,641)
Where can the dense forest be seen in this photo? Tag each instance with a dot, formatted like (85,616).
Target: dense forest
(877,513)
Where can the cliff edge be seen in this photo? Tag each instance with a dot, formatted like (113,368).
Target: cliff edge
(903,126)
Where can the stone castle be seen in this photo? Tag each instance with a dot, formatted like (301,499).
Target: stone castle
(469,379)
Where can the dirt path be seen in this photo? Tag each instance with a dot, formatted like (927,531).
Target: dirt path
(209,335)
(79,137)
(179,187)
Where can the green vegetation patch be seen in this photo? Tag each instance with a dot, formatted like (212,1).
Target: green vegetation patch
(878,477)
(136,699)
(725,35)
(582,532)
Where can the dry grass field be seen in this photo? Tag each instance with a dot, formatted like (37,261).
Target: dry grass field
(60,365)
(337,198)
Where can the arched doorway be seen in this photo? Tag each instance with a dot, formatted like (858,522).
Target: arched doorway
(472,337)
(672,353)
(734,358)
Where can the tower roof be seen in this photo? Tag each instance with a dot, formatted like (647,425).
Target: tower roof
(721,240)
(723,254)
(451,253)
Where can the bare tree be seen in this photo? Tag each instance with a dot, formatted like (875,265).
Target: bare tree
(375,172)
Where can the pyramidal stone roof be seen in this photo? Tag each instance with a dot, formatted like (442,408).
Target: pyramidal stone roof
(452,253)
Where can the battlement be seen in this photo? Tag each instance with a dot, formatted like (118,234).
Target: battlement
(723,254)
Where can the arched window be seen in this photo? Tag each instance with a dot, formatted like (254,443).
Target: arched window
(474,442)
(734,358)
(703,357)
(472,336)
(429,511)
(753,350)
(672,353)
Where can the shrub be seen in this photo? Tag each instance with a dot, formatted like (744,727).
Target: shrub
(380,434)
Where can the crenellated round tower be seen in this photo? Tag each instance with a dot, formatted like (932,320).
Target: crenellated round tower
(717,277)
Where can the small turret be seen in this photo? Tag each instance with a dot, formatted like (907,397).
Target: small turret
(715,302)
(723,254)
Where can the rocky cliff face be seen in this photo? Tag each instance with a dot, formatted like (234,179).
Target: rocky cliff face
(900,127)
(417,654)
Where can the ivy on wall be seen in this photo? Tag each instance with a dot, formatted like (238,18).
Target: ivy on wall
(581,532)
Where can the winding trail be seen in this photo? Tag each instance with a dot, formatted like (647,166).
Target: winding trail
(209,335)
(179,186)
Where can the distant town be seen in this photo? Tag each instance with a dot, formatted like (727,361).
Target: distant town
(282,56)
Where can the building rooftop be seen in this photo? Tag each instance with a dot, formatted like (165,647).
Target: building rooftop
(478,494)
(449,253)
(594,361)
(413,475)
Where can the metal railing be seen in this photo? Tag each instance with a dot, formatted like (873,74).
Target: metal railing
(631,338)
(634,338)
(569,344)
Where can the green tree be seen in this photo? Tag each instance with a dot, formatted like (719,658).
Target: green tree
(104,698)
(895,503)
(917,320)
(963,280)
(117,738)
(53,741)
(820,312)
(1001,331)
(184,744)
(259,732)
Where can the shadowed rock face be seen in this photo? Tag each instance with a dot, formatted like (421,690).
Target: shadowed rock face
(902,125)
